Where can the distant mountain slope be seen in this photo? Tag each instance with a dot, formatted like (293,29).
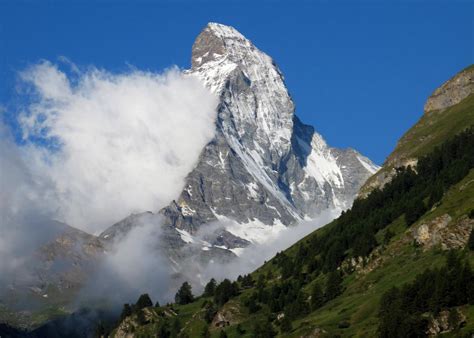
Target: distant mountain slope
(49,273)
(449,110)
(337,280)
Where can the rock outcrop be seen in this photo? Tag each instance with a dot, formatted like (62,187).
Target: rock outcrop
(441,231)
(452,91)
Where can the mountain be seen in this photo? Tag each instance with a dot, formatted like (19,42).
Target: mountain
(264,169)
(398,263)
(49,272)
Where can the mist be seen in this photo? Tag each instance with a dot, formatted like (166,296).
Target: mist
(253,256)
(88,147)
(104,145)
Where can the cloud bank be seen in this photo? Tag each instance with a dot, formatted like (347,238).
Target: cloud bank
(103,145)
(94,147)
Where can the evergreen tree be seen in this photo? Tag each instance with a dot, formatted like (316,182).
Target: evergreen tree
(175,328)
(126,312)
(100,330)
(163,330)
(205,332)
(333,285)
(387,236)
(264,330)
(210,288)
(184,294)
(141,317)
(414,210)
(317,297)
(157,304)
(210,312)
(285,325)
(240,329)
(224,291)
(222,334)
(470,242)
(143,301)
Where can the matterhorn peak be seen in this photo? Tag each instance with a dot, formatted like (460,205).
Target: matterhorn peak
(217,41)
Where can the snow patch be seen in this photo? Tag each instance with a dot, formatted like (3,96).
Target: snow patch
(371,167)
(185,236)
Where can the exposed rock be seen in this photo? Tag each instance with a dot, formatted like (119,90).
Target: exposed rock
(316,333)
(382,177)
(445,321)
(226,316)
(452,91)
(444,233)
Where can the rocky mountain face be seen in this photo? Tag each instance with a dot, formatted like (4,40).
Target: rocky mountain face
(264,169)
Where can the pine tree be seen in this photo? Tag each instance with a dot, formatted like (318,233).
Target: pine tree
(143,301)
(126,311)
(317,297)
(210,288)
(286,325)
(415,209)
(141,317)
(223,334)
(470,242)
(205,332)
(184,294)
(163,330)
(100,330)
(175,328)
(333,285)
(224,291)
(240,329)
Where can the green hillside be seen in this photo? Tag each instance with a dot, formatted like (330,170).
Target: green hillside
(432,129)
(339,280)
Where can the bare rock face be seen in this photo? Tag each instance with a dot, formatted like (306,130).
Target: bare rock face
(445,321)
(226,316)
(444,233)
(264,164)
(452,91)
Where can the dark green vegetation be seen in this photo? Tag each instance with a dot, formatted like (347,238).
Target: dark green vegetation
(184,294)
(402,309)
(361,275)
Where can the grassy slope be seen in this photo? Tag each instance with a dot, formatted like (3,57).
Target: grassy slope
(359,302)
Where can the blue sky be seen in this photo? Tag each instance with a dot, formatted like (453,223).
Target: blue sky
(359,72)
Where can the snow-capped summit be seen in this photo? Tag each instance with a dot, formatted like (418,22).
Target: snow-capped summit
(264,169)
(260,110)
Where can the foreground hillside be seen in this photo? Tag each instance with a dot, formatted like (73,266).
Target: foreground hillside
(340,280)
(399,263)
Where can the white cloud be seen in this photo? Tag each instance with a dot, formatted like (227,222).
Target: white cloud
(126,141)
